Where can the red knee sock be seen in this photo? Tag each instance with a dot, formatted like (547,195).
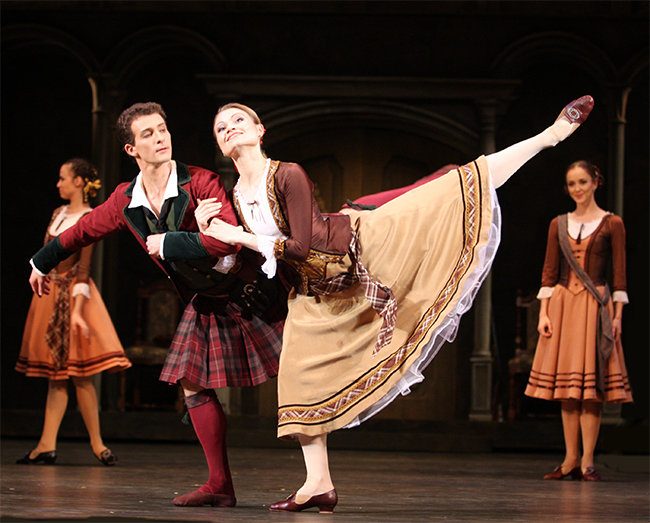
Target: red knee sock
(209,422)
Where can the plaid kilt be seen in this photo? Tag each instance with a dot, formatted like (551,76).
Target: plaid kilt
(217,344)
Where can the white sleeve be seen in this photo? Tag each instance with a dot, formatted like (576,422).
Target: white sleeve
(81,288)
(545,292)
(162,244)
(266,245)
(620,296)
(36,269)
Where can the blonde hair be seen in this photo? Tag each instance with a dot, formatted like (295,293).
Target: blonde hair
(241,107)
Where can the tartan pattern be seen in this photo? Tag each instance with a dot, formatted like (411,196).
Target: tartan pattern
(57,335)
(217,344)
(380,296)
(366,385)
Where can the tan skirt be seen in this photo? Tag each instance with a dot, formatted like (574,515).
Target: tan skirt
(564,366)
(433,246)
(102,351)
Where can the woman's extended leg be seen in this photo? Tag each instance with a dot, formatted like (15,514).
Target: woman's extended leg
(209,423)
(503,164)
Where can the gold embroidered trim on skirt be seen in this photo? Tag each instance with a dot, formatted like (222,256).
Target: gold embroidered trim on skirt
(345,399)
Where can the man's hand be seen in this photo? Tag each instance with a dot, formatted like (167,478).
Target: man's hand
(39,284)
(206,210)
(153,244)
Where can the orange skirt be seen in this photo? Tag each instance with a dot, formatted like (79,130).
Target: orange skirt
(564,367)
(101,351)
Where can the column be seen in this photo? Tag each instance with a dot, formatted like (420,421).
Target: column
(481,359)
(612,412)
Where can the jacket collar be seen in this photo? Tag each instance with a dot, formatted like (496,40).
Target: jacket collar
(135,216)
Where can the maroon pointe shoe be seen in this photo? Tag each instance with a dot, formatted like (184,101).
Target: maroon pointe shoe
(325,503)
(558,474)
(198,499)
(578,110)
(590,474)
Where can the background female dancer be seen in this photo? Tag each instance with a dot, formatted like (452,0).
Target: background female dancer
(68,334)
(376,293)
(579,357)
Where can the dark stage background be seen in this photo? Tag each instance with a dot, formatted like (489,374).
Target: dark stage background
(345,87)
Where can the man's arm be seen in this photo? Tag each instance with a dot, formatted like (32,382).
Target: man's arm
(101,222)
(189,243)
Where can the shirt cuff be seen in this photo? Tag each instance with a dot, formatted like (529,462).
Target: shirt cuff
(31,262)
(620,296)
(266,245)
(225,264)
(162,243)
(545,292)
(81,288)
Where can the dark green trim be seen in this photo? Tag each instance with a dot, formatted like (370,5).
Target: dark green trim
(50,256)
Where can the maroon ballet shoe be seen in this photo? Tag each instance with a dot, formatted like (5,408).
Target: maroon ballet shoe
(576,112)
(325,503)
(590,474)
(198,499)
(558,474)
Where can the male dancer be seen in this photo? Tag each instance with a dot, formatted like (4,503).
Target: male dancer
(225,337)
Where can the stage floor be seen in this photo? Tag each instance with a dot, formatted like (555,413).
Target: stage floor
(373,486)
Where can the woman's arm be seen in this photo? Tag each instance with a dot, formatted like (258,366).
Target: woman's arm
(81,292)
(232,235)
(295,192)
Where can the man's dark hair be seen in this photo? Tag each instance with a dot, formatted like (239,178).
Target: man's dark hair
(124,132)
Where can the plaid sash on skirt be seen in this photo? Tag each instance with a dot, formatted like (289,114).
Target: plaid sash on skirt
(380,296)
(57,335)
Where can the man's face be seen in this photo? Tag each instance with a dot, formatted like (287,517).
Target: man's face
(152,142)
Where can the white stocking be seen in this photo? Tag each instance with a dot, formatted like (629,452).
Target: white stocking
(314,450)
(503,164)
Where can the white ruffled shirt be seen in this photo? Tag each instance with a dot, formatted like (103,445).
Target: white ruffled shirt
(258,216)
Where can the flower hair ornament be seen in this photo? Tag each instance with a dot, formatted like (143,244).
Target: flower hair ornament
(91,187)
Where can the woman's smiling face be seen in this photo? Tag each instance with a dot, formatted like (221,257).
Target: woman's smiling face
(235,128)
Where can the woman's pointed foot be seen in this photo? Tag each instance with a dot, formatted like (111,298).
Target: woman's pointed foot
(48,458)
(198,499)
(325,503)
(578,110)
(571,117)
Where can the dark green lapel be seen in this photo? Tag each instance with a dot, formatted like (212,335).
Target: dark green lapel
(179,206)
(135,217)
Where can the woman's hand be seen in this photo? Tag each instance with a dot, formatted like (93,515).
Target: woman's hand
(617,328)
(544,326)
(77,322)
(222,231)
(206,210)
